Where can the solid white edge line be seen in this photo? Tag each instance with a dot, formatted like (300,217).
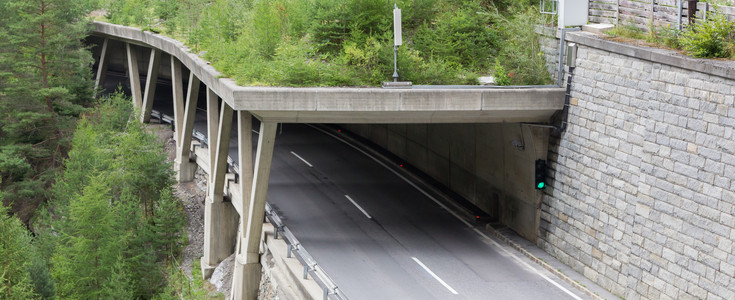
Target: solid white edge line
(434,275)
(299,157)
(358,207)
(570,293)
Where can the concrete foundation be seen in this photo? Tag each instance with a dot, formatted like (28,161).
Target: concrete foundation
(220,225)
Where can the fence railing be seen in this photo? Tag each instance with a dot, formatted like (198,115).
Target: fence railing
(310,266)
(659,13)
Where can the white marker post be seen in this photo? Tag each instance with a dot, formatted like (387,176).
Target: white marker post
(398,39)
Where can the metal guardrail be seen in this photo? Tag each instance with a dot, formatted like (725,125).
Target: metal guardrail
(310,266)
(331,290)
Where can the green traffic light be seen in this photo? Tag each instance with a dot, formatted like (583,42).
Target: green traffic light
(541,185)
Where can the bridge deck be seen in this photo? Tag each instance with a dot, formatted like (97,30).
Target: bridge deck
(472,104)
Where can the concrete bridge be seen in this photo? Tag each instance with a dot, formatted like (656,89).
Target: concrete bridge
(239,222)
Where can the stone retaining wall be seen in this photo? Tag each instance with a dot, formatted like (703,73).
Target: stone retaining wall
(642,199)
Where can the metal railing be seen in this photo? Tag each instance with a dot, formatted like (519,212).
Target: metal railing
(310,266)
(331,290)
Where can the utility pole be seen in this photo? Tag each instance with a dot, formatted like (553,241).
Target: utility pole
(397,39)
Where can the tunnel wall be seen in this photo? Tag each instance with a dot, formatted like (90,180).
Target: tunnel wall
(477,161)
(642,199)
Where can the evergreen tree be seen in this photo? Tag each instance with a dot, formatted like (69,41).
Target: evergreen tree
(15,252)
(45,82)
(91,245)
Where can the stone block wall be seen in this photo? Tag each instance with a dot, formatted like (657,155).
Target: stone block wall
(642,199)
(550,47)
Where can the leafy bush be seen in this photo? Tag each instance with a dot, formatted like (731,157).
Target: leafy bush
(714,37)
(500,75)
(666,36)
(521,53)
(462,37)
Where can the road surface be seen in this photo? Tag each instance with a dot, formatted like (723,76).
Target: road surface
(377,235)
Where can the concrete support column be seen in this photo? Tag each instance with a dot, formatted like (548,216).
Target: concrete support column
(241,273)
(220,218)
(184,168)
(102,66)
(134,75)
(150,85)
(178,97)
(248,259)
(212,123)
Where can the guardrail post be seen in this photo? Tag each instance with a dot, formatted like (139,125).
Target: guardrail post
(288,251)
(306,271)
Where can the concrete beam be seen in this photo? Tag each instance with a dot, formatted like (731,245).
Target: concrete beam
(220,218)
(249,257)
(242,271)
(221,147)
(134,75)
(178,98)
(212,123)
(154,64)
(102,66)
(220,229)
(419,104)
(186,169)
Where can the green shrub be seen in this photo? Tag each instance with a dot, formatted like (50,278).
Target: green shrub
(520,53)
(338,42)
(500,75)
(713,37)
(462,37)
(666,36)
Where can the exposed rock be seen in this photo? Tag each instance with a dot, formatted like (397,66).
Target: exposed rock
(222,276)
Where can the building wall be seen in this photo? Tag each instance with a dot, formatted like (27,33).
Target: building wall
(642,199)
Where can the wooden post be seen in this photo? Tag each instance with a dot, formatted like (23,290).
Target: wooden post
(653,16)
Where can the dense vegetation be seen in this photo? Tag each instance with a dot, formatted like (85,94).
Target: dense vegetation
(89,181)
(45,84)
(349,42)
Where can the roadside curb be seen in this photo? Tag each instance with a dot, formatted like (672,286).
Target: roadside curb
(496,234)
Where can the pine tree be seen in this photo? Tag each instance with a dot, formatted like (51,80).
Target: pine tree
(92,242)
(15,251)
(45,83)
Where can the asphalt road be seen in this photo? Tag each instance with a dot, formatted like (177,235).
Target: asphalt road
(378,236)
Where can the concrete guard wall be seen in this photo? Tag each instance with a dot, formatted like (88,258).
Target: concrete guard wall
(642,199)
(477,161)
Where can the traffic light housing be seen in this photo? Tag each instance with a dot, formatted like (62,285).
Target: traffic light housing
(540,174)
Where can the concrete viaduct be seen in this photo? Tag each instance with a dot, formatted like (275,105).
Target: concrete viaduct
(238,224)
